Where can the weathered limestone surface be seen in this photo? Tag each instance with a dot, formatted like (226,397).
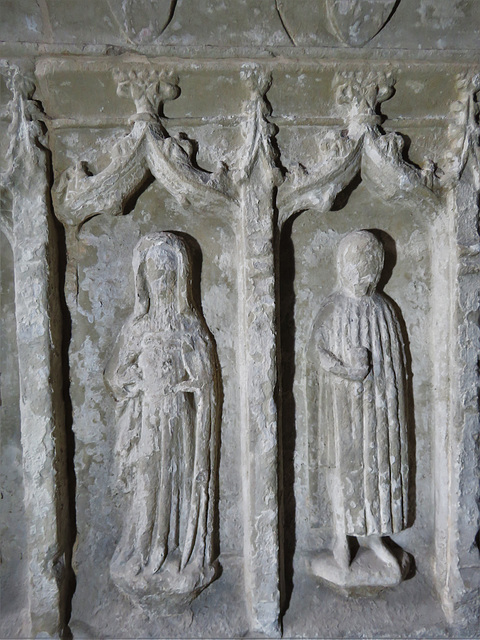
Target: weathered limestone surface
(163,374)
(26,221)
(14,526)
(357,397)
(176,178)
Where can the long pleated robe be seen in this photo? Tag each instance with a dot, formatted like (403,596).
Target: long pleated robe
(361,431)
(166,444)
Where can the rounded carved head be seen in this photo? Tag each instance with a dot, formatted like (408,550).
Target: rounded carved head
(162,270)
(360,260)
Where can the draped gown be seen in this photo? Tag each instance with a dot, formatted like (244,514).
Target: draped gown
(165,447)
(361,430)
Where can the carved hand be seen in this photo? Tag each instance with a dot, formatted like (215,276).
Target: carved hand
(360,364)
(132,382)
(357,370)
(332,364)
(190,385)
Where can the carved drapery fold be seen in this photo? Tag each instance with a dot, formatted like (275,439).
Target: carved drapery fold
(358,426)
(166,446)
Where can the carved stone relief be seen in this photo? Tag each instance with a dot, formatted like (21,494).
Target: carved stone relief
(355,22)
(163,375)
(152,26)
(267,153)
(352,22)
(143,21)
(13,532)
(26,221)
(357,396)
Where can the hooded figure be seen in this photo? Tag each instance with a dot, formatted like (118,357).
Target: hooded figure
(357,404)
(163,374)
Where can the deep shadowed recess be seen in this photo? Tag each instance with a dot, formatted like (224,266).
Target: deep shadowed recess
(288,431)
(63,345)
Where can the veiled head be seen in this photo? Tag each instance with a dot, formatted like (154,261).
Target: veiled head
(162,269)
(360,260)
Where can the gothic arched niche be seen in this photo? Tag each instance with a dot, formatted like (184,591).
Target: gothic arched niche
(105,245)
(404,229)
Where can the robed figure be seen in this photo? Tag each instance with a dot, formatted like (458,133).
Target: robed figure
(163,373)
(358,419)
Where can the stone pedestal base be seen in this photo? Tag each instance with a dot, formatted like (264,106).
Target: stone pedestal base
(367,572)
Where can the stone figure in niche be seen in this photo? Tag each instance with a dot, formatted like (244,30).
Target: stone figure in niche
(357,412)
(164,376)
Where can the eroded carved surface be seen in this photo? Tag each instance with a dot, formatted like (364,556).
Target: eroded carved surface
(148,149)
(352,22)
(357,397)
(25,220)
(355,22)
(143,21)
(344,147)
(163,374)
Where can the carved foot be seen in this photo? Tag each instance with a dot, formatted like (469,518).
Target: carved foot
(383,553)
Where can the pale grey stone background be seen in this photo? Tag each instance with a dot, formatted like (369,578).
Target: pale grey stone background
(72,48)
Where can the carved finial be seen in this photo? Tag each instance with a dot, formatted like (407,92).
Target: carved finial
(22,86)
(19,83)
(359,94)
(257,79)
(26,127)
(259,132)
(149,89)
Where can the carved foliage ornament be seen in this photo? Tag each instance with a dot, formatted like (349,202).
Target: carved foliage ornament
(26,134)
(359,94)
(147,149)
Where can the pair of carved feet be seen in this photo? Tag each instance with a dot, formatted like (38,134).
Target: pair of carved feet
(376,564)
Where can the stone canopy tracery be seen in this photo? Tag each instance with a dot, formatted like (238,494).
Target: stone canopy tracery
(252,169)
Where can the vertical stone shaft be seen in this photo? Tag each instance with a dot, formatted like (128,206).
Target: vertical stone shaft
(42,434)
(466,415)
(442,245)
(259,379)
